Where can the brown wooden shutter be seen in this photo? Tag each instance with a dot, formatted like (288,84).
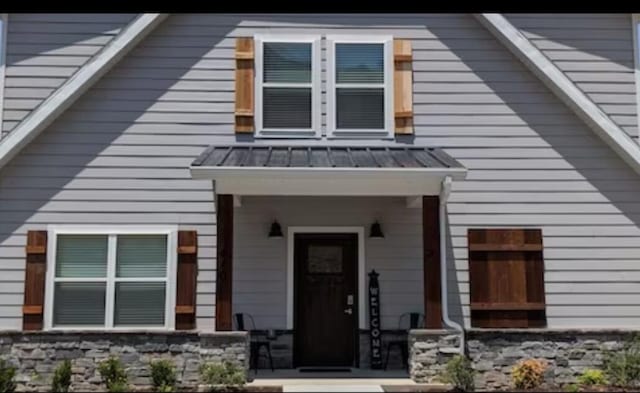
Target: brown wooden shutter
(34,280)
(186,280)
(506,278)
(244,113)
(403,87)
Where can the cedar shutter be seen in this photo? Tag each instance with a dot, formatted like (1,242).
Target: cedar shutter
(186,280)
(403,87)
(506,277)
(34,280)
(244,111)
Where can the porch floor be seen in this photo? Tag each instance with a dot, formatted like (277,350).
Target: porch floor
(358,380)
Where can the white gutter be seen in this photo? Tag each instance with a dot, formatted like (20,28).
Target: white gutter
(444,196)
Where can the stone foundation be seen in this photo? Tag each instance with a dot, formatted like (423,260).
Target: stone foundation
(494,352)
(36,355)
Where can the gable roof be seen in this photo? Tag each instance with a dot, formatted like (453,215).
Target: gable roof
(79,83)
(563,87)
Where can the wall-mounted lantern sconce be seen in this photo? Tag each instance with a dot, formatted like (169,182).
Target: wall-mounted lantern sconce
(376,230)
(275,231)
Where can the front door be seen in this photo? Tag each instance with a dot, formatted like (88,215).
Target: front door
(325,302)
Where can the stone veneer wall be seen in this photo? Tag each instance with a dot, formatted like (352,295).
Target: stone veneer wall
(37,354)
(494,352)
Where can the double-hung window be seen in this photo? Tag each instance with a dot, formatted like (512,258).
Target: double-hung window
(359,86)
(110,279)
(287,86)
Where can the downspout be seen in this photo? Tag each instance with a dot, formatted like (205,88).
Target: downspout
(444,196)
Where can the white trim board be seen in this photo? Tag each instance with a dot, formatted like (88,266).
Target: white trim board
(562,87)
(327,181)
(40,118)
(635,31)
(4,19)
(291,231)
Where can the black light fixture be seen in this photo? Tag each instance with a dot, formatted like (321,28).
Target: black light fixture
(275,231)
(376,230)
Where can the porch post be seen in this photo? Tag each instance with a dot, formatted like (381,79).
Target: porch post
(431,260)
(224,271)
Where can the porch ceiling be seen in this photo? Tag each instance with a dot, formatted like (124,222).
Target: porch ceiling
(243,169)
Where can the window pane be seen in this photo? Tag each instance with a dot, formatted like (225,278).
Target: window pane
(79,304)
(360,108)
(139,303)
(141,256)
(287,107)
(360,63)
(287,62)
(81,256)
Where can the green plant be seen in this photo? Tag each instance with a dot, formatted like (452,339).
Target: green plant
(222,376)
(572,388)
(62,377)
(528,374)
(592,377)
(163,376)
(622,367)
(113,375)
(459,374)
(7,377)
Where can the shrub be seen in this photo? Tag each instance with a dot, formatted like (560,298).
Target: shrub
(529,374)
(222,376)
(113,375)
(459,374)
(592,377)
(622,367)
(7,376)
(572,388)
(163,376)
(62,377)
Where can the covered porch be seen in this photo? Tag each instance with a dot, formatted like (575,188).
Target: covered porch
(300,230)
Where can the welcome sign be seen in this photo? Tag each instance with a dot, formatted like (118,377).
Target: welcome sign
(374,321)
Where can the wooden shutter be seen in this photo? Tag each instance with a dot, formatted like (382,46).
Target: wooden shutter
(244,112)
(34,280)
(403,87)
(186,280)
(506,274)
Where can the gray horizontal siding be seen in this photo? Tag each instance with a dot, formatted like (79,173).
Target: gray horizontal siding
(44,50)
(595,52)
(119,156)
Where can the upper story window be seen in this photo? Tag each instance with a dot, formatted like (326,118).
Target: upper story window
(287,86)
(111,279)
(359,86)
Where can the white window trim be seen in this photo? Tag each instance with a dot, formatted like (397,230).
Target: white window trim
(4,18)
(635,20)
(112,232)
(332,131)
(291,232)
(315,131)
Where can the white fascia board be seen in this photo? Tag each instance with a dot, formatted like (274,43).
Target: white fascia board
(562,87)
(327,181)
(78,84)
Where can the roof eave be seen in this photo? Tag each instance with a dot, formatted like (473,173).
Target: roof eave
(563,87)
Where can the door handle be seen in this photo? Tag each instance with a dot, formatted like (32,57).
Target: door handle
(348,311)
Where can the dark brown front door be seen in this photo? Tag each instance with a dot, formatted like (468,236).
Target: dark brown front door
(326,301)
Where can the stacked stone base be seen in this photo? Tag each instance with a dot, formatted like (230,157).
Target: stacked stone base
(493,353)
(36,355)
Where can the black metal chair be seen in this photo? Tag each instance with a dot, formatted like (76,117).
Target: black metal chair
(256,342)
(406,321)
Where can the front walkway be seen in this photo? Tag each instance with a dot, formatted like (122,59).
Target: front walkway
(358,380)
